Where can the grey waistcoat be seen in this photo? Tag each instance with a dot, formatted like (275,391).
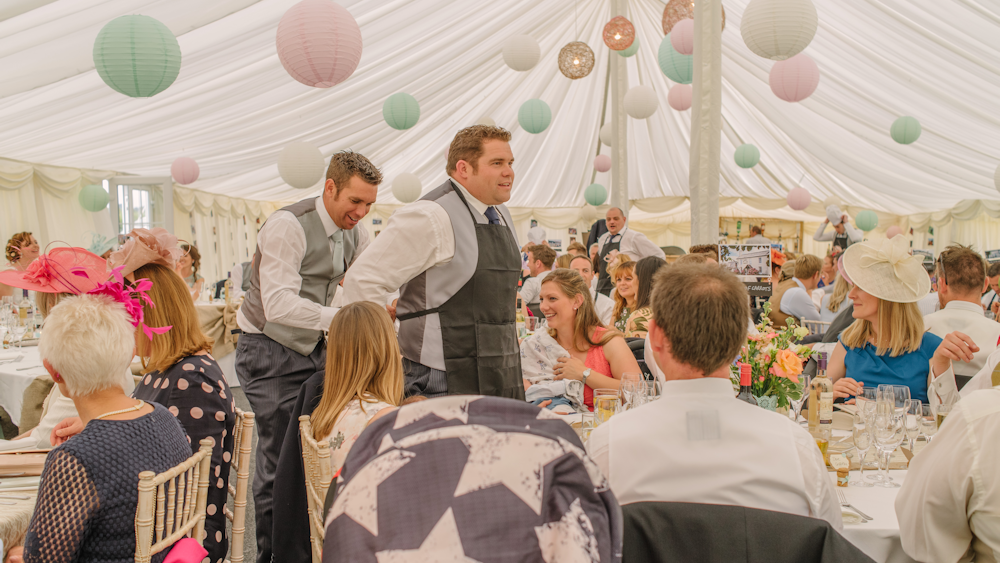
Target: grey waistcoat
(420,338)
(319,279)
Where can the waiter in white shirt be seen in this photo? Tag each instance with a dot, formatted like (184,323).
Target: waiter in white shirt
(604,305)
(843,235)
(624,240)
(303,251)
(454,256)
(757,237)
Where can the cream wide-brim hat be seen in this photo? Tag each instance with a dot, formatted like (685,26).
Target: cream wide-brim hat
(885,268)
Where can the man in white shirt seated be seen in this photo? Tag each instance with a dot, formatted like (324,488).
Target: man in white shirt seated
(540,260)
(624,240)
(991,299)
(605,305)
(791,297)
(961,278)
(947,508)
(698,443)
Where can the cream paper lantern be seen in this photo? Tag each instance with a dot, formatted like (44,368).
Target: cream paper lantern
(641,102)
(996,177)
(301,165)
(521,52)
(588,213)
(406,187)
(488,121)
(607,134)
(778,29)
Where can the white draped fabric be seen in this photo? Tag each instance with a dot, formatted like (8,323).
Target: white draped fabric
(233,107)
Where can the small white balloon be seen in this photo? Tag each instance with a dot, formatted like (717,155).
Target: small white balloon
(521,52)
(301,165)
(406,187)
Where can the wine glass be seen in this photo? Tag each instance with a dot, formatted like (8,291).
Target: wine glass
(796,409)
(632,390)
(889,432)
(911,422)
(18,332)
(928,422)
(943,410)
(587,424)
(606,404)
(862,443)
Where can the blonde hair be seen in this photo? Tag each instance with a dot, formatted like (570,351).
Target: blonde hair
(362,360)
(901,329)
(571,284)
(807,266)
(565,260)
(173,307)
(618,267)
(840,290)
(46,301)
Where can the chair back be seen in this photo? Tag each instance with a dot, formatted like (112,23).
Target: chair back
(172,504)
(319,475)
(242,444)
(638,348)
(816,327)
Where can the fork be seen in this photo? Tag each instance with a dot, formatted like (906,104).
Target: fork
(845,504)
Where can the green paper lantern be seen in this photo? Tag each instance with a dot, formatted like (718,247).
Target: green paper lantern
(905,130)
(747,156)
(93,198)
(595,194)
(137,56)
(866,220)
(632,49)
(401,111)
(534,116)
(677,67)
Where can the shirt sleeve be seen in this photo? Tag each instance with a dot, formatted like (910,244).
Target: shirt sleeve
(854,234)
(820,493)
(237,278)
(530,290)
(417,237)
(942,389)
(638,246)
(597,449)
(822,236)
(796,302)
(282,244)
(67,500)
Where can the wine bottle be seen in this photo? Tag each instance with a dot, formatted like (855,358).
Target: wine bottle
(821,407)
(745,394)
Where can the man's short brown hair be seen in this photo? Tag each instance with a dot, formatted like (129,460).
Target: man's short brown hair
(703,311)
(468,145)
(962,268)
(577,247)
(544,253)
(697,258)
(348,164)
(712,249)
(994,270)
(807,266)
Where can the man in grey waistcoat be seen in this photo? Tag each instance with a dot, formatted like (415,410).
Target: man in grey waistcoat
(303,252)
(454,256)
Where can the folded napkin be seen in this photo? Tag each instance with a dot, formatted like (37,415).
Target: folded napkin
(9,355)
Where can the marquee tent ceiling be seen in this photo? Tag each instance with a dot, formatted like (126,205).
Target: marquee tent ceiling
(233,107)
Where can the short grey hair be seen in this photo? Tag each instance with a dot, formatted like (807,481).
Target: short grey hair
(90,341)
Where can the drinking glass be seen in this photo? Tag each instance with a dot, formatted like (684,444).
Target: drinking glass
(888,434)
(18,332)
(928,422)
(541,323)
(632,390)
(530,324)
(606,404)
(943,411)
(864,397)
(587,424)
(862,443)
(797,405)
(911,422)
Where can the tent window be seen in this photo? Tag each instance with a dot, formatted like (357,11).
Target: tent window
(139,207)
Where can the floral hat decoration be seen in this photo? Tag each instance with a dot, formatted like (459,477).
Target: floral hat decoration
(131,296)
(885,268)
(60,270)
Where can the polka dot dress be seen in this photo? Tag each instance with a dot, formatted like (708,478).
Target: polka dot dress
(195,391)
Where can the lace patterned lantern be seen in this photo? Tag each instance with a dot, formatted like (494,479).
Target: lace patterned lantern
(619,33)
(576,60)
(677,10)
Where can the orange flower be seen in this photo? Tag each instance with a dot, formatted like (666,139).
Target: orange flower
(787,365)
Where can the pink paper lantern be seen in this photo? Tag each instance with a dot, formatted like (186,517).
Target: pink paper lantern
(799,198)
(795,79)
(185,170)
(893,231)
(602,163)
(679,97)
(682,36)
(319,43)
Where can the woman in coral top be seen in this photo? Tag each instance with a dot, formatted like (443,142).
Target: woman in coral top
(598,356)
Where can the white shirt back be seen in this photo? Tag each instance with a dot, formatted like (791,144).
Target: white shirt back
(967,318)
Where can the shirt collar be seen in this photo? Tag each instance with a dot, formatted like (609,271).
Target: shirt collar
(475,203)
(324,216)
(704,386)
(964,306)
(800,284)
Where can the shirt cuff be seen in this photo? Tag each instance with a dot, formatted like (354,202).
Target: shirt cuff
(326,315)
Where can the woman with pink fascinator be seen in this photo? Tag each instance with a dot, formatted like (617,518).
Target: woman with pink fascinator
(181,373)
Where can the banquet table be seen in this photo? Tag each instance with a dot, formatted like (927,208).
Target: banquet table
(217,320)
(14,379)
(14,518)
(879,538)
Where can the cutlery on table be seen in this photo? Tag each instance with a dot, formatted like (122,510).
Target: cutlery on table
(845,504)
(29,367)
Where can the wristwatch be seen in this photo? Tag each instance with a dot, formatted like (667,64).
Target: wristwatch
(586,374)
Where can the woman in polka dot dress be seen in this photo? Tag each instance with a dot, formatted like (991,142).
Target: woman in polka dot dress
(185,378)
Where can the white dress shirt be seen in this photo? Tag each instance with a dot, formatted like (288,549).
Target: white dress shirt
(633,243)
(982,380)
(416,238)
(798,303)
(236,276)
(854,234)
(968,319)
(709,447)
(532,287)
(988,299)
(647,353)
(758,240)
(282,245)
(604,305)
(929,304)
(825,314)
(948,506)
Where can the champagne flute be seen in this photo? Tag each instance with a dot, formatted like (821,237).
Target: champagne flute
(911,421)
(889,433)
(943,410)
(928,422)
(631,389)
(862,443)
(796,409)
(19,330)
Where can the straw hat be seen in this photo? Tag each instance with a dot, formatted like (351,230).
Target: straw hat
(886,269)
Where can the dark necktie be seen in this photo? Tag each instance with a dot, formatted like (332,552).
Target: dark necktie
(491,214)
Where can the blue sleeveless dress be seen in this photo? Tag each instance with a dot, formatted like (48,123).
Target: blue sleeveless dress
(910,369)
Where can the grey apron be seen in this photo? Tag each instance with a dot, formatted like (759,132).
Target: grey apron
(604,283)
(478,323)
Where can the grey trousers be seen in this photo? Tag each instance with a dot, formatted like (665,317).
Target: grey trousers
(419,379)
(271,376)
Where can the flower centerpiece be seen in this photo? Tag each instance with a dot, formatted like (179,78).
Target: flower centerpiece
(775,361)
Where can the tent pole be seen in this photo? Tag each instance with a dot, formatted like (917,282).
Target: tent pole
(706,122)
(619,120)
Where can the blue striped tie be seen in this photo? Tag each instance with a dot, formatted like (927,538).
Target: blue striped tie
(491,214)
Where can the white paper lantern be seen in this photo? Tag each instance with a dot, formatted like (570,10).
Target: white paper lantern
(778,29)
(588,213)
(301,165)
(521,52)
(607,133)
(485,120)
(996,178)
(406,187)
(641,102)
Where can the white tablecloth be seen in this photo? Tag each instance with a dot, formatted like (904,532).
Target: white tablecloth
(13,382)
(879,538)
